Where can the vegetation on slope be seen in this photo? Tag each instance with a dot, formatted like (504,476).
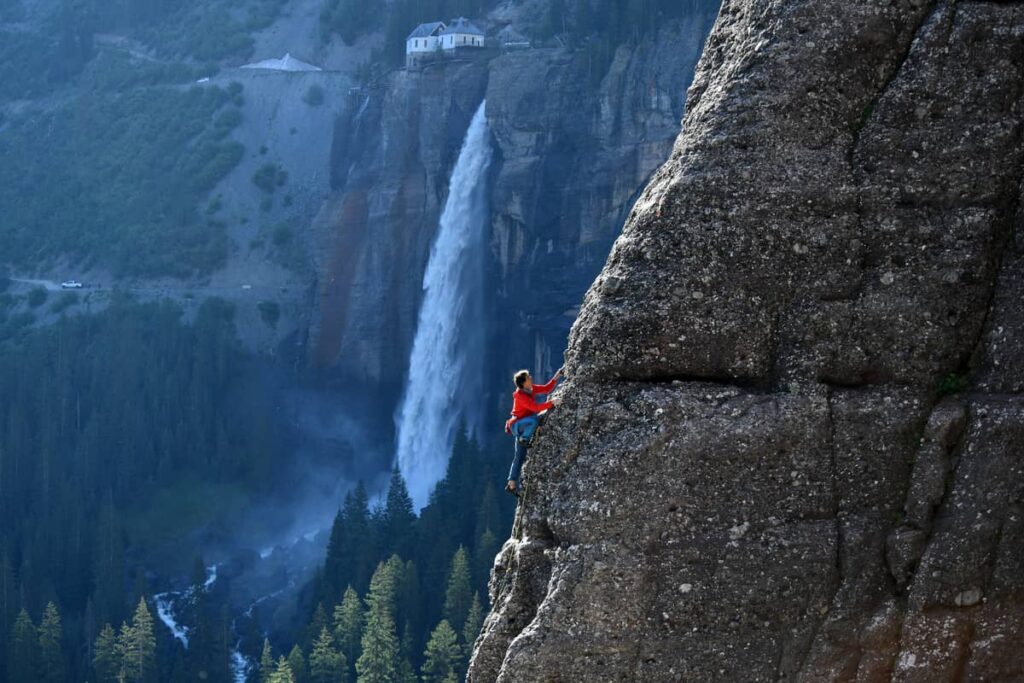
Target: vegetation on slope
(402,598)
(99,415)
(115,180)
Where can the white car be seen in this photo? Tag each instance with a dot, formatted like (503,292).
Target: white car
(71,284)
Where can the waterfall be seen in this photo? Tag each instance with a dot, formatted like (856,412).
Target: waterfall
(445,370)
(172,603)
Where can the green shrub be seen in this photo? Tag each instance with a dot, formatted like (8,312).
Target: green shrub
(314,96)
(37,297)
(226,121)
(268,177)
(270,311)
(286,250)
(17,323)
(118,180)
(113,70)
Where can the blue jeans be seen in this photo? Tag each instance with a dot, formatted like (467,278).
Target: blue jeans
(522,431)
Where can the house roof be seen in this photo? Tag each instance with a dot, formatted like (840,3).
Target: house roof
(426,30)
(462,25)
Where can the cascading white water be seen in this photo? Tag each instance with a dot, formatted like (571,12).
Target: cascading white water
(171,603)
(445,369)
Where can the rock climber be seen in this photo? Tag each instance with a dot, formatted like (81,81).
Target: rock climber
(528,412)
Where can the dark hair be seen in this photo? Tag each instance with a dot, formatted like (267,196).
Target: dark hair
(520,378)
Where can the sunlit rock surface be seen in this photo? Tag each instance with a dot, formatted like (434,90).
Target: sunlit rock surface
(792,442)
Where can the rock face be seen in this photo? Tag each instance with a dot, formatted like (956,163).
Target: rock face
(573,150)
(392,152)
(790,447)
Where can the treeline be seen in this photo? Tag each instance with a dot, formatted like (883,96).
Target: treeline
(401,598)
(116,180)
(97,414)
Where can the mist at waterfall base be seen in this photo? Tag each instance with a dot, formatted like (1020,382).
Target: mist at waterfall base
(446,374)
(260,559)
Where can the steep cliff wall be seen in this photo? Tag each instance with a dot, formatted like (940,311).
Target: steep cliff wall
(791,443)
(573,149)
(393,150)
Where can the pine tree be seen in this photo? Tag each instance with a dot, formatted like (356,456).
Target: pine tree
(51,654)
(398,517)
(326,665)
(108,564)
(351,550)
(106,659)
(282,673)
(208,654)
(137,646)
(266,662)
(411,611)
(348,626)
(336,562)
(483,559)
(8,604)
(317,623)
(297,664)
(404,673)
(474,622)
(443,656)
(459,595)
(23,662)
(489,514)
(377,663)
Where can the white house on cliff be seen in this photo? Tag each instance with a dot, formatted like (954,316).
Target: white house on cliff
(426,39)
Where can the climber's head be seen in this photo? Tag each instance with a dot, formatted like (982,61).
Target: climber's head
(523,380)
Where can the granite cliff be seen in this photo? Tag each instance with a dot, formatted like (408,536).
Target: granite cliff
(790,446)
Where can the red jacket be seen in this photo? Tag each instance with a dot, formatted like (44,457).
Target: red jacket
(524,403)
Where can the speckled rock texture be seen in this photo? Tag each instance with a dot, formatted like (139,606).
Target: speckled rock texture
(791,446)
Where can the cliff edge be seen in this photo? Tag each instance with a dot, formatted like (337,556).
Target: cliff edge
(792,442)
